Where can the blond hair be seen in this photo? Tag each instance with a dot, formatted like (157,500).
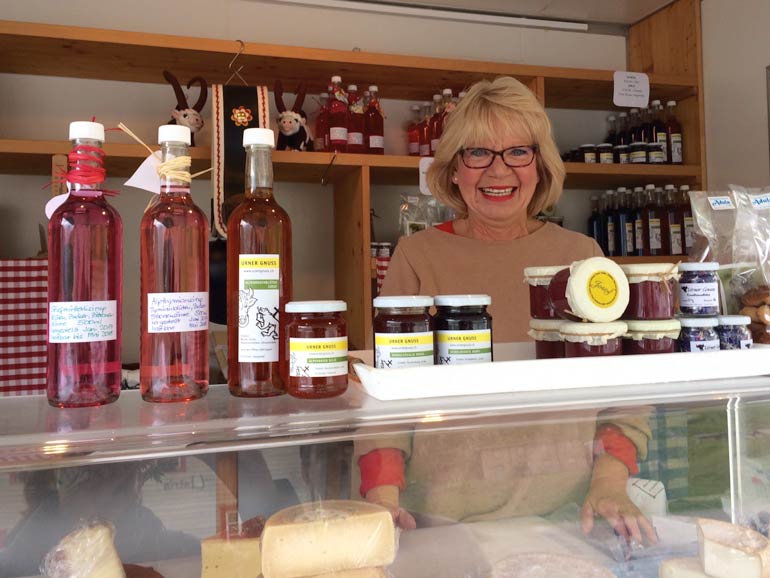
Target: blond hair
(506,105)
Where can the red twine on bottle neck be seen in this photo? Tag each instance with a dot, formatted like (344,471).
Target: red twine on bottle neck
(80,173)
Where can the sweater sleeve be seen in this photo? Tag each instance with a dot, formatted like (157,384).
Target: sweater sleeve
(633,422)
(401,278)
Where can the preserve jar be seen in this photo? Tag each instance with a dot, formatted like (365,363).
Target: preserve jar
(652,290)
(655,154)
(699,289)
(588,153)
(733,331)
(637,153)
(604,154)
(698,334)
(403,331)
(316,349)
(593,339)
(620,153)
(651,337)
(548,341)
(463,329)
(538,279)
(594,289)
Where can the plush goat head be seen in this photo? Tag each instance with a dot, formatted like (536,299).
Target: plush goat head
(183,114)
(292,124)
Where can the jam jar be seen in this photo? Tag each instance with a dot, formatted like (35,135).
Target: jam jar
(463,329)
(593,339)
(637,153)
(652,290)
(698,334)
(538,279)
(594,289)
(620,153)
(403,332)
(316,348)
(733,331)
(699,289)
(655,154)
(548,341)
(588,153)
(604,154)
(651,337)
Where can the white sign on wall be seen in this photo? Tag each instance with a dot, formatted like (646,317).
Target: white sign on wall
(632,89)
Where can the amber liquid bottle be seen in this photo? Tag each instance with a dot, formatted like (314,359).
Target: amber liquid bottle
(435,123)
(641,241)
(675,221)
(654,220)
(259,277)
(423,129)
(174,261)
(374,126)
(413,134)
(673,135)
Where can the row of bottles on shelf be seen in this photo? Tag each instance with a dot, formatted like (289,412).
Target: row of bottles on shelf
(644,221)
(650,125)
(427,123)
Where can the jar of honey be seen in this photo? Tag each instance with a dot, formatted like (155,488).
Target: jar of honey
(463,329)
(651,337)
(549,343)
(403,332)
(538,279)
(593,339)
(652,290)
(316,348)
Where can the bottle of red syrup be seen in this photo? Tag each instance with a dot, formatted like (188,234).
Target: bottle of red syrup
(174,261)
(373,121)
(355,121)
(338,117)
(321,135)
(413,132)
(85,282)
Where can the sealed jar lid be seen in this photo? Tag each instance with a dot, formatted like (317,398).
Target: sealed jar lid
(462,300)
(733,320)
(644,329)
(592,333)
(541,275)
(641,272)
(545,329)
(698,321)
(597,290)
(397,301)
(83,129)
(258,136)
(315,306)
(604,145)
(586,146)
(707,266)
(173,133)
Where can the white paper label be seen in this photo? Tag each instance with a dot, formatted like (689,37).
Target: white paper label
(425,150)
(433,145)
(631,89)
(456,347)
(689,232)
(606,158)
(639,229)
(721,203)
(355,138)
(664,145)
(655,239)
(177,312)
(629,238)
(414,148)
(425,163)
(338,133)
(394,350)
(611,237)
(676,239)
(676,147)
(54,203)
(376,142)
(697,295)
(746,343)
(761,202)
(146,176)
(82,321)
(258,308)
(318,357)
(710,345)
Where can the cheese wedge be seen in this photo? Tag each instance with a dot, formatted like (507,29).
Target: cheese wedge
(230,558)
(325,537)
(681,568)
(89,551)
(730,551)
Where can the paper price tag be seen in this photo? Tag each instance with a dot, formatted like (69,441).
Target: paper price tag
(56,202)
(146,176)
(425,162)
(632,89)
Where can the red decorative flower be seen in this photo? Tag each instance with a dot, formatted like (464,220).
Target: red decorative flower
(241,116)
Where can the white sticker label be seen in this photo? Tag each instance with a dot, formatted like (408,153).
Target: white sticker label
(676,239)
(456,347)
(82,321)
(394,350)
(629,238)
(338,133)
(355,138)
(631,89)
(433,145)
(425,150)
(177,312)
(611,237)
(258,308)
(425,163)
(761,202)
(721,203)
(689,232)
(376,142)
(606,158)
(639,229)
(710,345)
(655,237)
(746,343)
(414,148)
(697,295)
(676,148)
(664,145)
(318,357)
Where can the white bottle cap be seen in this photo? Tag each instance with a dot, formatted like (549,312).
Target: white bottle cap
(173,133)
(623,114)
(609,192)
(733,319)
(403,301)
(336,78)
(258,136)
(462,300)
(621,190)
(315,306)
(611,117)
(698,321)
(699,266)
(649,187)
(461,94)
(81,129)
(415,107)
(436,97)
(373,88)
(684,188)
(671,103)
(634,110)
(425,103)
(655,102)
(352,87)
(447,91)
(669,187)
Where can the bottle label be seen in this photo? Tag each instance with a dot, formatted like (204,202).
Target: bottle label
(177,312)
(433,145)
(258,308)
(457,347)
(623,158)
(676,148)
(355,138)
(424,150)
(629,237)
(414,148)
(606,158)
(655,238)
(638,156)
(689,232)
(318,357)
(639,229)
(709,345)
(676,239)
(376,142)
(661,140)
(589,158)
(699,295)
(611,237)
(395,350)
(602,289)
(657,157)
(82,321)
(338,133)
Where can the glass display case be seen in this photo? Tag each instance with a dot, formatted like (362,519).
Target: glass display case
(489,477)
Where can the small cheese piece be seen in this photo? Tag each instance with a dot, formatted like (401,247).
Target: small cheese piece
(89,551)
(230,558)
(730,551)
(681,568)
(325,537)
(546,565)
(357,573)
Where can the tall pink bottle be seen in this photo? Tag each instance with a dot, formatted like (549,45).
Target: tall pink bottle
(321,135)
(355,121)
(373,122)
(174,256)
(85,284)
(338,117)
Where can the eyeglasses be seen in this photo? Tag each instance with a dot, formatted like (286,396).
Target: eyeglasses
(514,157)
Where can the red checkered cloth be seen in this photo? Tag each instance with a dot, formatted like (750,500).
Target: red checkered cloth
(23,320)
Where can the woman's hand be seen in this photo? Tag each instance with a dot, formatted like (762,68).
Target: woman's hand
(387,497)
(608,498)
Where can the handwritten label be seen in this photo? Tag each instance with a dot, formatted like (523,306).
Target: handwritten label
(176,312)
(425,162)
(82,321)
(632,89)
(721,203)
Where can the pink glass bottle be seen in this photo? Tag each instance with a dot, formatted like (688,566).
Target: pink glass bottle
(435,123)
(174,256)
(373,116)
(413,133)
(338,117)
(85,284)
(321,135)
(355,121)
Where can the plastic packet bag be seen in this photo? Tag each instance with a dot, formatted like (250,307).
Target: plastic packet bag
(85,552)
(412,216)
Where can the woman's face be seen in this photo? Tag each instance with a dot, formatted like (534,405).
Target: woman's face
(498,195)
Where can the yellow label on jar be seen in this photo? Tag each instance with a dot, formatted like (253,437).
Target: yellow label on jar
(602,289)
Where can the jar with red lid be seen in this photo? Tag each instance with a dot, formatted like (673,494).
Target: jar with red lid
(316,349)
(548,341)
(538,279)
(652,290)
(403,331)
(651,337)
(594,289)
(593,339)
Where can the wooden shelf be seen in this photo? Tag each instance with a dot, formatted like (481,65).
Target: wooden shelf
(598,176)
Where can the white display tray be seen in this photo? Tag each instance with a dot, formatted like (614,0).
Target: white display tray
(515,369)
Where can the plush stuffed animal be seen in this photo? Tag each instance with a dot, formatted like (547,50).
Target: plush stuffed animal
(183,114)
(293,133)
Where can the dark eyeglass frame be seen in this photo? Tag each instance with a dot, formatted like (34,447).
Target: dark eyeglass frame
(533,148)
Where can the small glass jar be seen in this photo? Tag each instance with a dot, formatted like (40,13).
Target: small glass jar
(652,290)
(620,153)
(463,329)
(698,334)
(699,289)
(316,350)
(604,154)
(733,331)
(548,341)
(403,332)
(588,153)
(655,154)
(593,339)
(637,153)
(538,279)
(645,337)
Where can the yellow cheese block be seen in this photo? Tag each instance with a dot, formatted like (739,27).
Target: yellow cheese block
(89,551)
(357,573)
(681,568)
(325,537)
(230,558)
(730,551)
